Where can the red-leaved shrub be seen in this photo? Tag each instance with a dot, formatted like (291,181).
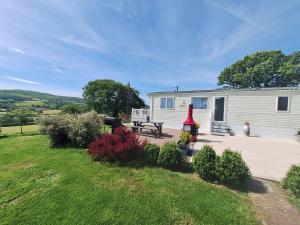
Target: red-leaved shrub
(123,145)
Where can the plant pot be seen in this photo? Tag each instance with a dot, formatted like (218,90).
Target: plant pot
(298,138)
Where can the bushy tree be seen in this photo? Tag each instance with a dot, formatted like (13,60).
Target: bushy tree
(73,109)
(111,97)
(264,68)
(77,129)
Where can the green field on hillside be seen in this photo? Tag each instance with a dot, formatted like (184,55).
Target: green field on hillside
(43,185)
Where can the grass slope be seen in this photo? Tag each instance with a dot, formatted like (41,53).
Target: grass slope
(29,95)
(42,185)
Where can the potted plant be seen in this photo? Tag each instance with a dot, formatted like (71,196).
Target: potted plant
(298,135)
(184,140)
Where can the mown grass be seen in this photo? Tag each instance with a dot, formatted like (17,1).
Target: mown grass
(43,185)
(51,112)
(17,129)
(29,103)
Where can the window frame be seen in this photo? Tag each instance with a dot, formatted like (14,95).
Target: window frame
(166,103)
(288,104)
(200,97)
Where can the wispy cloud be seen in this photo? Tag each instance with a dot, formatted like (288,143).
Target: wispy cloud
(116,6)
(56,69)
(239,12)
(17,50)
(22,80)
(222,46)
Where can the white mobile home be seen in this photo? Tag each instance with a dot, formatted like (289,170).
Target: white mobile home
(271,112)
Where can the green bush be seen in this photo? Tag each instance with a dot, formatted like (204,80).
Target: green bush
(170,156)
(78,130)
(57,128)
(231,168)
(292,180)
(84,128)
(204,163)
(151,152)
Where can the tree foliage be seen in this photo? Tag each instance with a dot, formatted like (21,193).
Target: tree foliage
(263,69)
(111,97)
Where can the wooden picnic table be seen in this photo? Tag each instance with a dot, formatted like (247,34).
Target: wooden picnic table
(150,125)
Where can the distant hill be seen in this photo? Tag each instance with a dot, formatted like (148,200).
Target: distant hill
(34,99)
(29,95)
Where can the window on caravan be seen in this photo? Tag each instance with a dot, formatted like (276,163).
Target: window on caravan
(283,103)
(200,102)
(167,103)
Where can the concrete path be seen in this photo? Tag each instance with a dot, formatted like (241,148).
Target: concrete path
(271,203)
(267,158)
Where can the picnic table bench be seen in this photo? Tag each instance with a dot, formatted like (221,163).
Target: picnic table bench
(154,126)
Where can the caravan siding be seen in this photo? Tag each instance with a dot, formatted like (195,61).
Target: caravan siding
(259,108)
(174,118)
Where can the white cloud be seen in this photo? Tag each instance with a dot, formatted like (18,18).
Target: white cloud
(17,50)
(22,80)
(56,69)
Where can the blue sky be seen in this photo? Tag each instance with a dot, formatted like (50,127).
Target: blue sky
(58,46)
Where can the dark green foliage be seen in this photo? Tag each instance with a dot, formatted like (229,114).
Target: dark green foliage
(73,109)
(151,153)
(267,68)
(170,156)
(204,163)
(111,97)
(292,180)
(231,168)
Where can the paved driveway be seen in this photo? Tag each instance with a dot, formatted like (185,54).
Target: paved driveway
(268,158)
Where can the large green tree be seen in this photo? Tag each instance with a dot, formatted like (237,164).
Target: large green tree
(264,68)
(111,97)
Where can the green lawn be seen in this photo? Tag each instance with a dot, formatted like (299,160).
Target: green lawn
(29,103)
(17,129)
(51,112)
(43,185)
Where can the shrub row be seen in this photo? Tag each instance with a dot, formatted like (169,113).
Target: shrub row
(230,168)
(78,130)
(124,145)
